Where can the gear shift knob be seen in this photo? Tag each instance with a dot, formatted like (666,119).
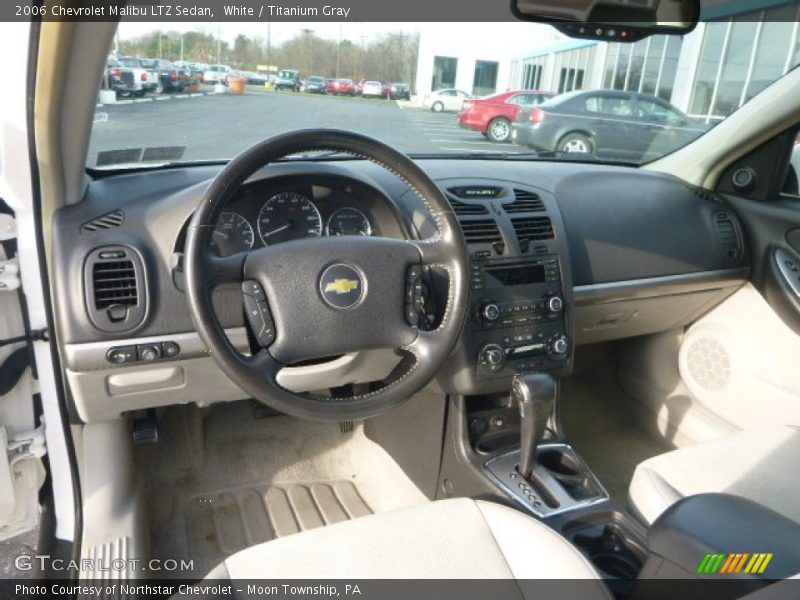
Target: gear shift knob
(536,394)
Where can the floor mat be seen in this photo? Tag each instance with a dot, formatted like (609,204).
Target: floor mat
(222,523)
(252,480)
(598,421)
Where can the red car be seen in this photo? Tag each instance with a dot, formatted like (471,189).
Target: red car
(493,115)
(340,86)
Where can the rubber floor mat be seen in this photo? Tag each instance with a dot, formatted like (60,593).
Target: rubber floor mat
(219,524)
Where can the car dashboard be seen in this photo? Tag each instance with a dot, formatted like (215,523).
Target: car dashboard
(561,254)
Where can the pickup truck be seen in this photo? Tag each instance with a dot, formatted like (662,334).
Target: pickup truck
(133,78)
(288,79)
(171,78)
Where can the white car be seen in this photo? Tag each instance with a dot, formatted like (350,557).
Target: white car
(441,100)
(372,89)
(216,73)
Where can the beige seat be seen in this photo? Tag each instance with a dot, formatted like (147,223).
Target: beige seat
(760,465)
(458,538)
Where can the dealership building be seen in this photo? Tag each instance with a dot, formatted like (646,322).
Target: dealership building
(707,73)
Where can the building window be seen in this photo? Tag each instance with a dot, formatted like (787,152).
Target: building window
(484,81)
(648,66)
(444,72)
(742,56)
(531,76)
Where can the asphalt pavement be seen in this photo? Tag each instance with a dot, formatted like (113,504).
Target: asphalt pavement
(218,126)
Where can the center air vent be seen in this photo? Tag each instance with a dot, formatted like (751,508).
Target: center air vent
(481,231)
(107,221)
(532,229)
(115,288)
(524,201)
(727,236)
(464,209)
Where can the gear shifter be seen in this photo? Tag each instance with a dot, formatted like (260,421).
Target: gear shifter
(536,395)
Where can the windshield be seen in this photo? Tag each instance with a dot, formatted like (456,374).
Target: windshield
(432,89)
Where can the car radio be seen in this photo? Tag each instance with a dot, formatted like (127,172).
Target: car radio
(518,315)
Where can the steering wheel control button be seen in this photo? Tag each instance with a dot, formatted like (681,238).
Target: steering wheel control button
(342,286)
(149,352)
(121,355)
(414,295)
(170,349)
(258,314)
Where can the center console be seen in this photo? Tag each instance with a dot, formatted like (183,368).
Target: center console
(520,306)
(517,315)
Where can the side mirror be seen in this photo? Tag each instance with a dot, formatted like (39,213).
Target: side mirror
(611,20)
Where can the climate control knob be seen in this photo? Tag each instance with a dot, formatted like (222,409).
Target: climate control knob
(559,346)
(490,312)
(555,304)
(493,356)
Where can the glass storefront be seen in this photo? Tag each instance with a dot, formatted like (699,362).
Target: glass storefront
(740,56)
(648,66)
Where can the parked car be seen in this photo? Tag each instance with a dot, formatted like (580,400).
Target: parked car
(216,73)
(315,85)
(441,100)
(372,89)
(288,79)
(400,91)
(341,86)
(171,77)
(493,115)
(134,78)
(612,124)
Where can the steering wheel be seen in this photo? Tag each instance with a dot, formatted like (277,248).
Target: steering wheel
(321,297)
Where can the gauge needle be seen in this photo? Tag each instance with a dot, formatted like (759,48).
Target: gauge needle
(221,234)
(274,231)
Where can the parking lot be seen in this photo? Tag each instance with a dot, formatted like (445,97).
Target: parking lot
(220,125)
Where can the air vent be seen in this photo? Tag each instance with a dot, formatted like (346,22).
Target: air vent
(531,229)
(114,283)
(463,209)
(106,221)
(524,202)
(481,231)
(727,236)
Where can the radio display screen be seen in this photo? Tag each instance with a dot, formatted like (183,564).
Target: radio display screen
(500,277)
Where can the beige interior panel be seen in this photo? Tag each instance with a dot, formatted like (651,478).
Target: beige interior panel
(741,363)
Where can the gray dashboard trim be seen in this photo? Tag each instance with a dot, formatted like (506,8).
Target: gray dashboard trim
(636,289)
(91,356)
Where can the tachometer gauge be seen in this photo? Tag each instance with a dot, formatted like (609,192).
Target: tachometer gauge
(349,221)
(288,216)
(232,234)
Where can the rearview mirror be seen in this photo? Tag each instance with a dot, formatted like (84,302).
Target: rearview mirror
(617,20)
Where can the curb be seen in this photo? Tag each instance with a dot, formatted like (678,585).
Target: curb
(160,98)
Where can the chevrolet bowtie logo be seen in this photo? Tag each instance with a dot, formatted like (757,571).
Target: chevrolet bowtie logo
(342,286)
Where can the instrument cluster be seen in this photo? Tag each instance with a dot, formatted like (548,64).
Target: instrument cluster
(264,214)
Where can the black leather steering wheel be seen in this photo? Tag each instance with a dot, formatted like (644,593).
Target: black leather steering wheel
(328,296)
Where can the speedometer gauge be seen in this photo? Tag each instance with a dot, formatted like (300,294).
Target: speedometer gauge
(288,216)
(232,234)
(349,221)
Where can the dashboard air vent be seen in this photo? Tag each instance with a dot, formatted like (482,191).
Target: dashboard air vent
(107,221)
(114,284)
(531,229)
(464,209)
(481,231)
(115,289)
(727,236)
(524,201)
